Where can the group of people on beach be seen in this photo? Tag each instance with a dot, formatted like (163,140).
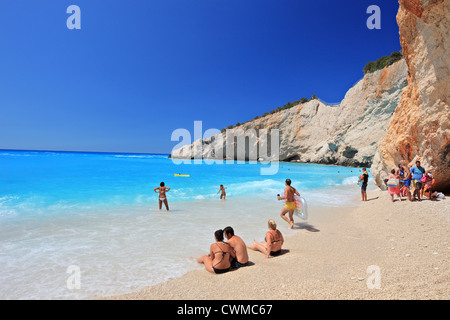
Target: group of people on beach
(225,255)
(407,182)
(402,178)
(232,254)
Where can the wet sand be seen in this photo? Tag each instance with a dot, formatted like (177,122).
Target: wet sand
(378,250)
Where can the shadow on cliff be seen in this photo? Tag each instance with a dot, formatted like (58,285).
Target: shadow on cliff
(306,226)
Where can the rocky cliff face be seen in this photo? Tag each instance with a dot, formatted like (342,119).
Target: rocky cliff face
(420,126)
(345,134)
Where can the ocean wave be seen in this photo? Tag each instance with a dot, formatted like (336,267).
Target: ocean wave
(350,181)
(342,182)
(7,212)
(18,154)
(5,209)
(261,188)
(138,156)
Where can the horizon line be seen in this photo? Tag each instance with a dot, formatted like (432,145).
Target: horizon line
(69,151)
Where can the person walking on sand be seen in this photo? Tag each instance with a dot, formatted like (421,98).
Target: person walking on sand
(223,194)
(239,247)
(272,245)
(162,195)
(364,178)
(220,255)
(289,193)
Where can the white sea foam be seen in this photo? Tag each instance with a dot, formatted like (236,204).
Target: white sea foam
(120,250)
(116,251)
(350,181)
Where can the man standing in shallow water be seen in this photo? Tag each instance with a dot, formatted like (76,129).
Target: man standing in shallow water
(289,193)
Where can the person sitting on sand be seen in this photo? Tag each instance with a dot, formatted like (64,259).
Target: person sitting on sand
(393,185)
(223,194)
(220,255)
(289,193)
(364,178)
(162,195)
(239,247)
(274,241)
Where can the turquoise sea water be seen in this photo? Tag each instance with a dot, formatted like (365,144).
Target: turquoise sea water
(98,211)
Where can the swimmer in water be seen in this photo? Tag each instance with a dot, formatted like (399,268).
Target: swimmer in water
(162,195)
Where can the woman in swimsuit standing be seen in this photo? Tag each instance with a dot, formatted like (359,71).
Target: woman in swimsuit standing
(273,244)
(218,260)
(162,195)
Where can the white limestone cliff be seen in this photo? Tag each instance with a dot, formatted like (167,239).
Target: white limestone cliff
(344,134)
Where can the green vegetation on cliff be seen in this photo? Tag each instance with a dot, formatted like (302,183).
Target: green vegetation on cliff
(280,108)
(383,62)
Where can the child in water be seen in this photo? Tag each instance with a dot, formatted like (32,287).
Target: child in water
(223,195)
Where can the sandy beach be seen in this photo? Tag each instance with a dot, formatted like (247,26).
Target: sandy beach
(379,250)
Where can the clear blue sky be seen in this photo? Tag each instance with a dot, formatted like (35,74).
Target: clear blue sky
(137,70)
